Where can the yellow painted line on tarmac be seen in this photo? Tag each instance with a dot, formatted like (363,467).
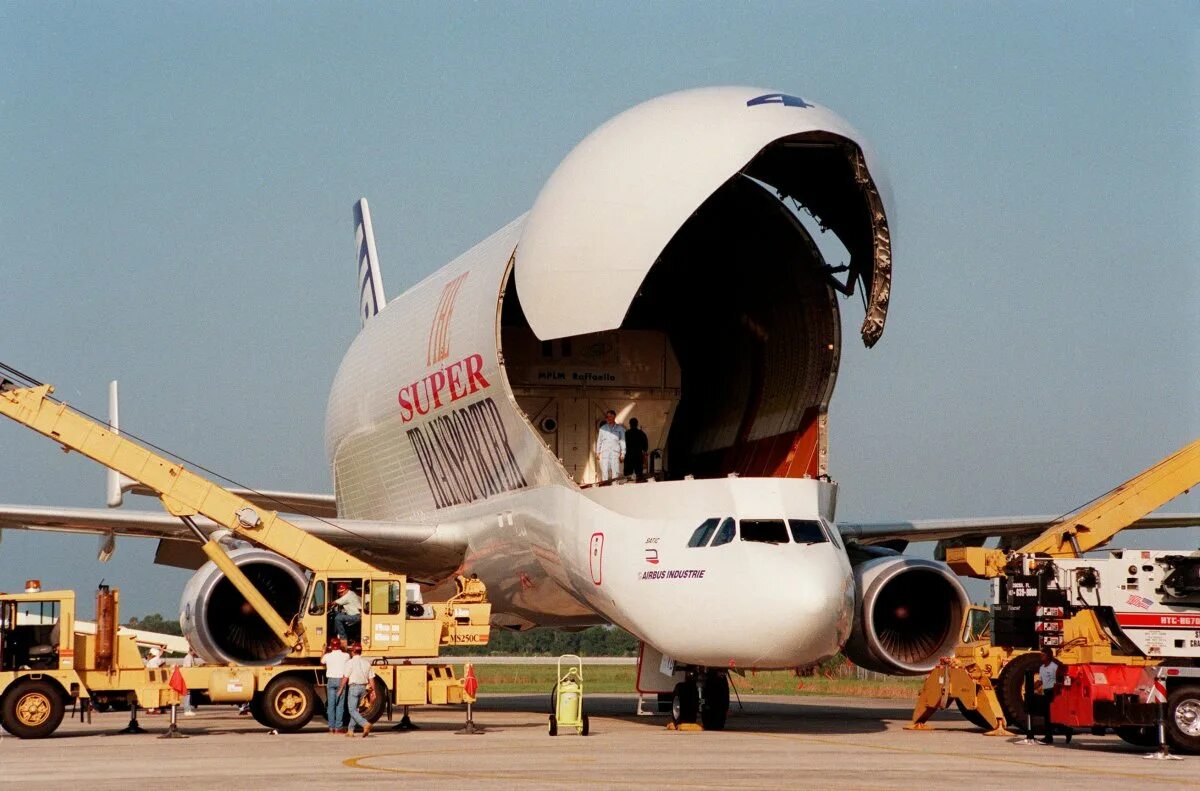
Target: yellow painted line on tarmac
(1189,782)
(359,762)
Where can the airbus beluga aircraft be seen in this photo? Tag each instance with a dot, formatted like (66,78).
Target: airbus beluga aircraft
(663,272)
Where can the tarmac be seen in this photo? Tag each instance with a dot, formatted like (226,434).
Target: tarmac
(771,743)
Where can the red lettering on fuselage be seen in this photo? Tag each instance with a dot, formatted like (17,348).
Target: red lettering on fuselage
(443,386)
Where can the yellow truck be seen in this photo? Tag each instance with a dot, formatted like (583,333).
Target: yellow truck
(986,676)
(46,667)
(290,635)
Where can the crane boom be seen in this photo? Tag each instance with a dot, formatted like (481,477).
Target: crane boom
(184,494)
(1096,523)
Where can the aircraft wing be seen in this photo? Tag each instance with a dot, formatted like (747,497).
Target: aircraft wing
(982,528)
(422,551)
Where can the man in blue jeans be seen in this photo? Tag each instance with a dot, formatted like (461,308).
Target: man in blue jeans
(358,676)
(335,661)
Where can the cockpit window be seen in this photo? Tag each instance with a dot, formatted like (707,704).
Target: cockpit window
(807,531)
(764,531)
(704,532)
(726,533)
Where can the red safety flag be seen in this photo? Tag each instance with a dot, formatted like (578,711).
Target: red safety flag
(470,683)
(177,683)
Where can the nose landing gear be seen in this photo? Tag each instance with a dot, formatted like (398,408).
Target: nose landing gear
(703,695)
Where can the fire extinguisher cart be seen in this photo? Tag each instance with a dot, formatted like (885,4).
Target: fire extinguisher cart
(567,697)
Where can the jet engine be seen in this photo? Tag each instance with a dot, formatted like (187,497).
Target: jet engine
(222,626)
(908,614)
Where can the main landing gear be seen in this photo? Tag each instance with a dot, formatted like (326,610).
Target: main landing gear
(702,696)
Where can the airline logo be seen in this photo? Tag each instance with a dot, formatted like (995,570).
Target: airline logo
(778,98)
(438,348)
(443,386)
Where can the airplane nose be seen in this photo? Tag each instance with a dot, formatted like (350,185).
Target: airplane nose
(811,612)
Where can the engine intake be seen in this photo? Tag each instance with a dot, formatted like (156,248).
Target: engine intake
(908,615)
(222,626)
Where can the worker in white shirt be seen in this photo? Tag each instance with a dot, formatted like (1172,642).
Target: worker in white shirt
(610,446)
(349,611)
(358,676)
(191,659)
(1050,678)
(335,660)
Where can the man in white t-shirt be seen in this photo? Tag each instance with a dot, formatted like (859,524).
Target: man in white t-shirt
(335,660)
(1050,678)
(358,676)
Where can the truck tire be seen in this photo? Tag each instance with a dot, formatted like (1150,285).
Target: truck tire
(973,716)
(1183,718)
(288,702)
(1139,735)
(373,712)
(1010,689)
(256,710)
(32,709)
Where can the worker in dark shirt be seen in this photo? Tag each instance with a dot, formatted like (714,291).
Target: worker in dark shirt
(637,448)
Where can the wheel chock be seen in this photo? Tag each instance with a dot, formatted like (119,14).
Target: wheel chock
(919,726)
(685,726)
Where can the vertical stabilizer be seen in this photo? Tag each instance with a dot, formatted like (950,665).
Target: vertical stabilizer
(370,281)
(116,484)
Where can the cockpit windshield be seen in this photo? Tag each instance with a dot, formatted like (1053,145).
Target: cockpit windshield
(807,531)
(764,531)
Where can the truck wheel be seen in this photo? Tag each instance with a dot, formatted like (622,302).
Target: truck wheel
(1183,718)
(716,701)
(256,711)
(288,702)
(685,703)
(371,713)
(1010,689)
(1139,736)
(973,716)
(32,709)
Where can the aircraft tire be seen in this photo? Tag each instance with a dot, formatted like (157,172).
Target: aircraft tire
(33,709)
(685,703)
(715,708)
(1183,718)
(288,702)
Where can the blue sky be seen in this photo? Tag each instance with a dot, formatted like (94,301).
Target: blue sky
(176,183)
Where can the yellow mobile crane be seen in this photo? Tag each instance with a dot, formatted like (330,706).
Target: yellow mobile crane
(284,696)
(986,677)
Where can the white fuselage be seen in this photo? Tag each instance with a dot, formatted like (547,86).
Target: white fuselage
(459,406)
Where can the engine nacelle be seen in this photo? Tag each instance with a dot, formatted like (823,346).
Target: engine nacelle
(908,614)
(222,626)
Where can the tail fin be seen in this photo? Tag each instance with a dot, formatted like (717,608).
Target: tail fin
(370,281)
(116,484)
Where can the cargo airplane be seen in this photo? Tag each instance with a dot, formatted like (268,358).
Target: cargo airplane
(666,271)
